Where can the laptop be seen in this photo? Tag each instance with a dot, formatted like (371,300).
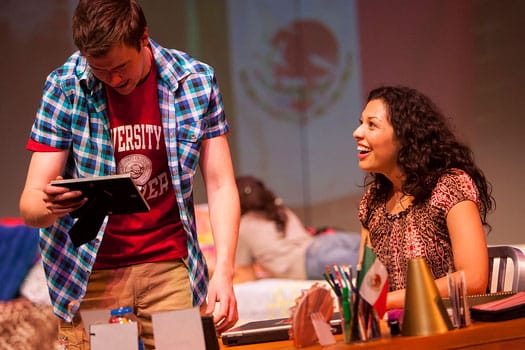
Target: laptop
(267,331)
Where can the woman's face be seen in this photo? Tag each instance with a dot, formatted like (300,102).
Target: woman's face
(377,145)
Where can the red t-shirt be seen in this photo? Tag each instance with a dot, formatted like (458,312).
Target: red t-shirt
(138,142)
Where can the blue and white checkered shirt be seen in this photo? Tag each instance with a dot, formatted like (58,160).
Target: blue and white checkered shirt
(73,115)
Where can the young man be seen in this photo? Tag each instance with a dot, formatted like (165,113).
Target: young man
(124,104)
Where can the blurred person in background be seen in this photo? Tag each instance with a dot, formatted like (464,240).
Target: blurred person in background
(273,242)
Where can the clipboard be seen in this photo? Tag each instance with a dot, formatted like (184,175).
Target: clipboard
(107,195)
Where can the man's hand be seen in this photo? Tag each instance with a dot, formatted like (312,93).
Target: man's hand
(60,201)
(220,290)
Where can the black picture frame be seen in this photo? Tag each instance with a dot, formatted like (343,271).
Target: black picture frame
(107,195)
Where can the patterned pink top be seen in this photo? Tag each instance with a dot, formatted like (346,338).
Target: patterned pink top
(418,231)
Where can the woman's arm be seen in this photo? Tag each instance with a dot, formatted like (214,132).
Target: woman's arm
(469,248)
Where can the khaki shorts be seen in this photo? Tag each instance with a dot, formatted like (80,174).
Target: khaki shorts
(148,288)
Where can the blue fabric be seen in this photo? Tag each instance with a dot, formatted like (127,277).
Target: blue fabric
(18,251)
(341,248)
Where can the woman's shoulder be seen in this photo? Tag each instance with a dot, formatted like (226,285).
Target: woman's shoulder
(455,186)
(455,177)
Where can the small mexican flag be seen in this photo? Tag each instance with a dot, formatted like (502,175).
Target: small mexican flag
(373,281)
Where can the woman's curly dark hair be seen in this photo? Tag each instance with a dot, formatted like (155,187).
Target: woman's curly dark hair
(254,196)
(428,148)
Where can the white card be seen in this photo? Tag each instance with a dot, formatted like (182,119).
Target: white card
(178,329)
(114,336)
(322,329)
(92,317)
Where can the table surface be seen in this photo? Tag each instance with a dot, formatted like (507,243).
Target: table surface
(479,335)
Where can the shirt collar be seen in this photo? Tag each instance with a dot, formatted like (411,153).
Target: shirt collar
(169,68)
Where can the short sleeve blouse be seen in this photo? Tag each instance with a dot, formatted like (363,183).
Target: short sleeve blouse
(420,230)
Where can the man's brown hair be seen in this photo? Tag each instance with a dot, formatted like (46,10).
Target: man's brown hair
(99,24)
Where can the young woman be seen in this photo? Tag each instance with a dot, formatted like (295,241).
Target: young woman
(425,196)
(273,240)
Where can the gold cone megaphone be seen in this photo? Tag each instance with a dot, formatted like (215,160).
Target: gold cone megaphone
(424,312)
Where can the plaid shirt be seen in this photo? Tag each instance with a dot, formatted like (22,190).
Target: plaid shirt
(73,115)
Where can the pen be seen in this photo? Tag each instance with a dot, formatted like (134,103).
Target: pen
(328,280)
(334,282)
(351,279)
(347,315)
(338,275)
(342,274)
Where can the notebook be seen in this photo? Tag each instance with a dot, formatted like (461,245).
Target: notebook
(267,331)
(477,299)
(500,310)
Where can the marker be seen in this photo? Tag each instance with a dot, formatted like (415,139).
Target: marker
(347,315)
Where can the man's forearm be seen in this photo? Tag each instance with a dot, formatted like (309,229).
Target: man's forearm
(33,209)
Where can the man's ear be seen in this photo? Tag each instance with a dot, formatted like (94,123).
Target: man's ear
(144,38)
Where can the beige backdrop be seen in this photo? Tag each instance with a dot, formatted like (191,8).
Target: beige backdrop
(36,38)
